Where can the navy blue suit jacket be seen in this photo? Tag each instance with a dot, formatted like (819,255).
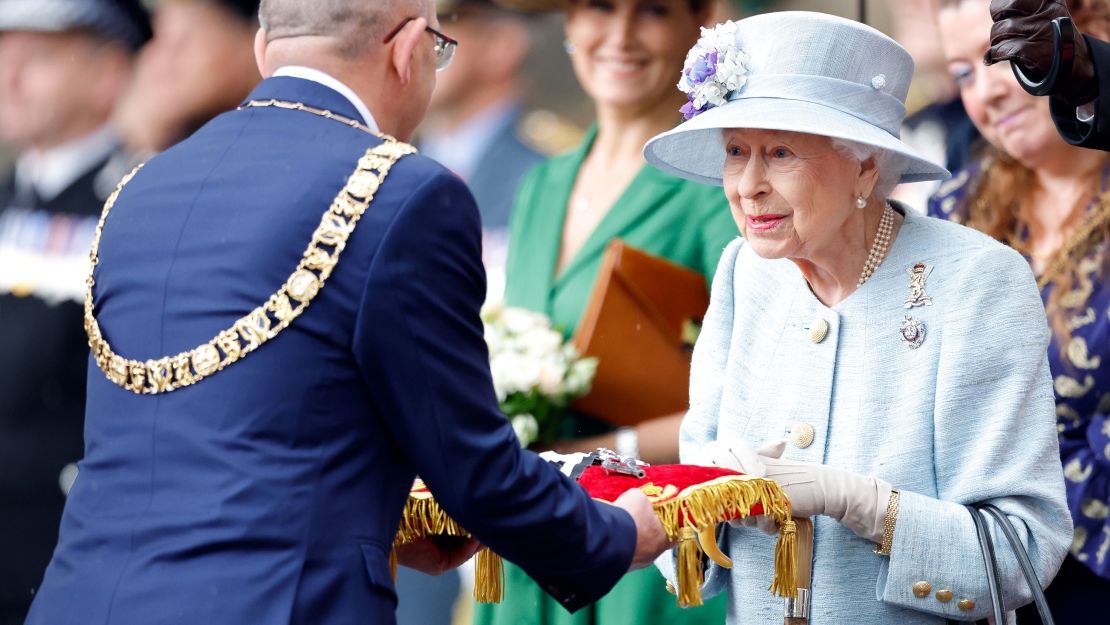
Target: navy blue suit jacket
(270,492)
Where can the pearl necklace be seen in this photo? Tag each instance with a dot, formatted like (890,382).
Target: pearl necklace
(879,247)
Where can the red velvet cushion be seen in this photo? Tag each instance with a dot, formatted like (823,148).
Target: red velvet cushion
(661,483)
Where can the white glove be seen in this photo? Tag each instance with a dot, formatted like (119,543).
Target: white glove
(739,455)
(857,501)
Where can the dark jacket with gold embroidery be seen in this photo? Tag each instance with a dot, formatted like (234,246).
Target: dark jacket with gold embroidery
(1081,381)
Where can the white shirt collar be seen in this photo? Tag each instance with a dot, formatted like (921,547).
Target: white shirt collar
(49,172)
(317,76)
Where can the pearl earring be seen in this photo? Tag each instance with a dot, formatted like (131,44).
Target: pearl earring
(861,202)
(568,46)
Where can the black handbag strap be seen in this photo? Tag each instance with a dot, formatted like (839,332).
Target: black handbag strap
(986,545)
(991,564)
(1023,560)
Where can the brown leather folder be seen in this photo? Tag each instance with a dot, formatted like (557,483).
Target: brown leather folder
(634,325)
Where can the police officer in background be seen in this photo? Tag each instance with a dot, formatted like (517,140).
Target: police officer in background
(62,65)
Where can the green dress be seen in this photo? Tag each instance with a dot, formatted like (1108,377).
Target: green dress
(683,221)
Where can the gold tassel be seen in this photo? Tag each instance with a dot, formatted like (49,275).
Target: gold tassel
(690,574)
(786,565)
(489,577)
(393,563)
(422,518)
(682,518)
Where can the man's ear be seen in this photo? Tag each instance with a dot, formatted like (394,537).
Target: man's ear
(404,48)
(260,52)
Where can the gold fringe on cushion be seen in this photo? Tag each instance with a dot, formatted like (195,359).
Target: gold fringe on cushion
(422,518)
(489,577)
(692,511)
(706,505)
(690,574)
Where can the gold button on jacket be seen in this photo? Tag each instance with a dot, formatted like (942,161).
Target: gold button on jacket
(944,596)
(922,589)
(966,604)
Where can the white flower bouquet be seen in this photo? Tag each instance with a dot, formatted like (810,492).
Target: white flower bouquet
(535,372)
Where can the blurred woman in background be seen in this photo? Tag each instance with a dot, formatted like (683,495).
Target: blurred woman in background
(1034,192)
(627,55)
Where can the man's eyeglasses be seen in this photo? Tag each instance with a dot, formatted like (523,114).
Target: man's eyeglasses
(445,46)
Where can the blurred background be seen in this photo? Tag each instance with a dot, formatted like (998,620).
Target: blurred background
(559,99)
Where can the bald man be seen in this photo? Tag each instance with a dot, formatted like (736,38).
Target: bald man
(248,455)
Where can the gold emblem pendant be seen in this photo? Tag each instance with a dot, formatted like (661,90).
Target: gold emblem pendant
(918,274)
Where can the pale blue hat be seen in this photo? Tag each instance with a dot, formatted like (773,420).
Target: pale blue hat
(800,71)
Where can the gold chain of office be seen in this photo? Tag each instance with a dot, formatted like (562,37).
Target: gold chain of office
(251,331)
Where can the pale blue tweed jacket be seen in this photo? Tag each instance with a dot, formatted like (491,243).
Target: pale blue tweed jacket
(966,417)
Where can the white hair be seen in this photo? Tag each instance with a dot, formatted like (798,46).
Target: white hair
(890,164)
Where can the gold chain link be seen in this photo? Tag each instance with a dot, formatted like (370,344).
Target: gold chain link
(300,106)
(249,332)
(1079,243)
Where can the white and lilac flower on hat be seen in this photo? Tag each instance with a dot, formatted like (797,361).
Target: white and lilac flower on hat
(792,71)
(715,68)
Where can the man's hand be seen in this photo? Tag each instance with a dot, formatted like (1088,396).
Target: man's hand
(651,538)
(1022,34)
(438,554)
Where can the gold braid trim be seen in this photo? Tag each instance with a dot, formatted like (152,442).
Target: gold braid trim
(1079,243)
(251,331)
(705,505)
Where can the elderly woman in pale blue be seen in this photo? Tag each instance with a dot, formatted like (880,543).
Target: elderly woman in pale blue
(883,367)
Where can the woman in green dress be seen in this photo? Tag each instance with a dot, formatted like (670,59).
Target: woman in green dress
(627,55)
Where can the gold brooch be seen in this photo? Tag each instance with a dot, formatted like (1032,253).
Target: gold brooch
(918,274)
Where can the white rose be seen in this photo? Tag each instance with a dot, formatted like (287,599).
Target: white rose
(500,367)
(526,428)
(580,376)
(513,372)
(551,378)
(541,342)
(525,374)
(519,320)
